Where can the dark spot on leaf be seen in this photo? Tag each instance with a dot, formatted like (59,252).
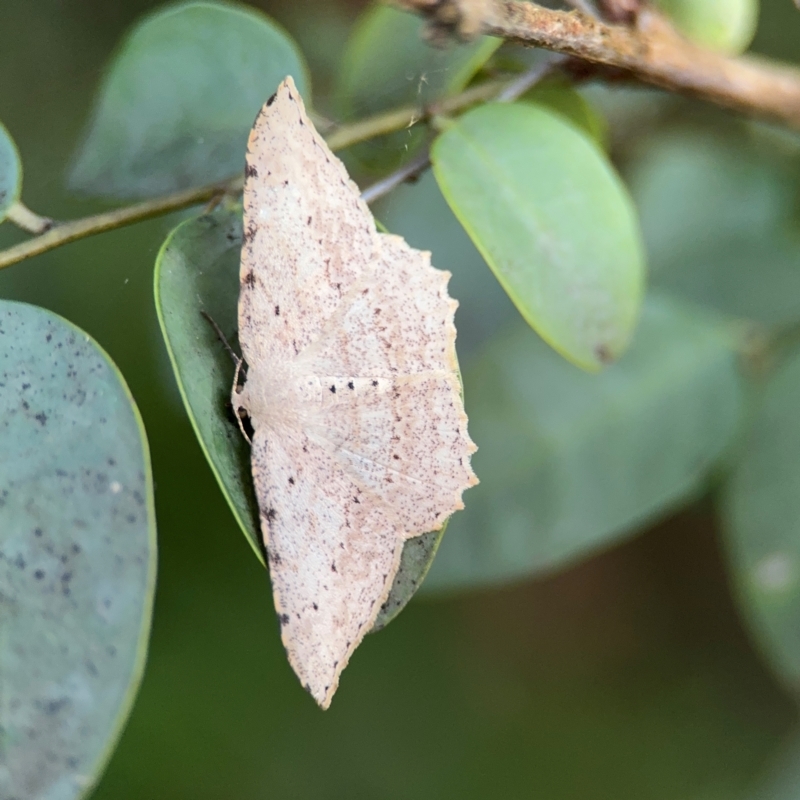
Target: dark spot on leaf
(41,418)
(54,706)
(603,354)
(39,574)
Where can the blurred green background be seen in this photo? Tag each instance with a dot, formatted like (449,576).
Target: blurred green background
(628,676)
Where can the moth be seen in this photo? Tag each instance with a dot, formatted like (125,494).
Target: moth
(359,432)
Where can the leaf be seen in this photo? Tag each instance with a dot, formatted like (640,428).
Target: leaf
(387,63)
(727,26)
(198,270)
(761,512)
(77,555)
(552,220)
(556,93)
(179,99)
(571,462)
(717,228)
(10,172)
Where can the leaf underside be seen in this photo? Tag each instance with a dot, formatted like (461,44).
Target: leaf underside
(77,555)
(10,173)
(179,98)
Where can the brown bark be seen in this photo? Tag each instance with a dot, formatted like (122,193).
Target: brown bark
(650,50)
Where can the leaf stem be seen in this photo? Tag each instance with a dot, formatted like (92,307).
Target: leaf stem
(29,221)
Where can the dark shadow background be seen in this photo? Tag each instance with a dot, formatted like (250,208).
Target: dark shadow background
(628,676)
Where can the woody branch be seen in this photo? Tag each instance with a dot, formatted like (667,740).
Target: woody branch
(649,50)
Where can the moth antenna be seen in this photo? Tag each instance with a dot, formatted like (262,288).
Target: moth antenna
(221,336)
(237,360)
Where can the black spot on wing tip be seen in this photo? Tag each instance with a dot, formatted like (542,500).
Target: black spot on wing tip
(271,100)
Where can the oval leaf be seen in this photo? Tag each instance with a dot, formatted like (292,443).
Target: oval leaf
(10,173)
(77,555)
(761,510)
(197,271)
(557,93)
(180,97)
(571,462)
(552,220)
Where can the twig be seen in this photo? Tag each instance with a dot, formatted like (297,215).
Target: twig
(405,117)
(26,219)
(67,232)
(528,79)
(651,51)
(409,171)
(345,136)
(510,92)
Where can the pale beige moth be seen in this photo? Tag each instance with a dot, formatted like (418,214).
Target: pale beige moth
(359,433)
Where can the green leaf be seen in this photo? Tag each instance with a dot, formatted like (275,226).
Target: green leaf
(197,271)
(552,220)
(77,555)
(388,63)
(10,172)
(727,26)
(557,93)
(180,97)
(571,462)
(716,221)
(761,510)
